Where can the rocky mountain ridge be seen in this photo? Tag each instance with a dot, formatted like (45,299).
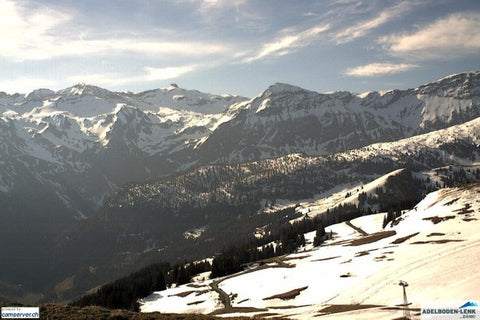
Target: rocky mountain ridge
(91,134)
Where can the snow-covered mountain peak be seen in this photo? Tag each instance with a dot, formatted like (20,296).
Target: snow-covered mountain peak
(280,97)
(81,89)
(40,94)
(172,86)
(177,98)
(123,108)
(282,88)
(460,85)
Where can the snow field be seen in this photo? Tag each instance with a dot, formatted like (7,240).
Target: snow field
(439,261)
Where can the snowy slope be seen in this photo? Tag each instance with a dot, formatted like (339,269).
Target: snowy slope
(64,154)
(95,110)
(81,143)
(286,119)
(177,98)
(435,248)
(63,139)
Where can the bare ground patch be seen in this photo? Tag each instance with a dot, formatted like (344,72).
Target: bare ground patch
(365,252)
(187,293)
(437,219)
(346,275)
(287,295)
(339,308)
(296,258)
(403,239)
(436,234)
(437,241)
(289,307)
(449,203)
(337,243)
(182,294)
(465,210)
(238,310)
(374,237)
(325,259)
(361,253)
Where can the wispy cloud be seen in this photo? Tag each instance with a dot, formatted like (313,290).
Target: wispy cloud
(208,4)
(288,43)
(27,84)
(150,74)
(454,35)
(23,35)
(377,69)
(102,79)
(154,74)
(362,28)
(36,36)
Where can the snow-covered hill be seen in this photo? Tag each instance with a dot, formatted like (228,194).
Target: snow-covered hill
(456,145)
(435,248)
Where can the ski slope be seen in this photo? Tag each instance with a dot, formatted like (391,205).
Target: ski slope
(435,247)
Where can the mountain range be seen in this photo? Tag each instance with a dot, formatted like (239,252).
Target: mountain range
(76,142)
(129,162)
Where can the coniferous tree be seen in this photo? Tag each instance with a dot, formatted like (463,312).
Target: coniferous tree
(319,235)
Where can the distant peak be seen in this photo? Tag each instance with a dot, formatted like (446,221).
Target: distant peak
(82,88)
(283,88)
(172,86)
(460,75)
(40,94)
(465,84)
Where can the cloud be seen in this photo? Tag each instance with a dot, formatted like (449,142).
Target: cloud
(287,43)
(27,84)
(22,35)
(454,35)
(362,28)
(115,80)
(208,4)
(37,36)
(378,69)
(155,74)
(104,79)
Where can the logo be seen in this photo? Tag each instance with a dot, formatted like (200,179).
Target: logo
(20,313)
(449,310)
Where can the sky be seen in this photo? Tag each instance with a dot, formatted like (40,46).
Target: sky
(236,46)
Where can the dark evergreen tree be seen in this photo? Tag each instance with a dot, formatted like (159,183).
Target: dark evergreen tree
(319,235)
